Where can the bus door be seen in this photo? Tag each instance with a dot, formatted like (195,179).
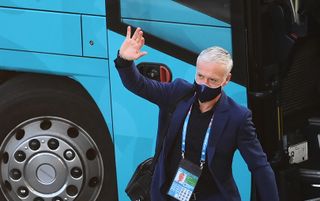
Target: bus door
(279,43)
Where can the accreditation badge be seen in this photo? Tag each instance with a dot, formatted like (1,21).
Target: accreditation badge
(185,180)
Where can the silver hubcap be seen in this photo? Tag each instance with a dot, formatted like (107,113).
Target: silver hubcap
(50,159)
(46,174)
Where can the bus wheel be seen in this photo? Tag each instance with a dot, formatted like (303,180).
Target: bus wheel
(55,144)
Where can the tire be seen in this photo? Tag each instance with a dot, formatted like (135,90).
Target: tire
(55,144)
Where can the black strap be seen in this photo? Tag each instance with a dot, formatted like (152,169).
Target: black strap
(171,110)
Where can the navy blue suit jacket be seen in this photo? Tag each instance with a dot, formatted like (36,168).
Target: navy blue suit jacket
(232,129)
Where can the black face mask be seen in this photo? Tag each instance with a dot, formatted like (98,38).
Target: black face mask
(205,93)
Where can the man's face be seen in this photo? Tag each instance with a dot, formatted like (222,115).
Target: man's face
(212,74)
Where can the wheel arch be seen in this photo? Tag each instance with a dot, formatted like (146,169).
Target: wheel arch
(86,85)
(63,84)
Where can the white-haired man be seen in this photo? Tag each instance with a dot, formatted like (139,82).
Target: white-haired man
(204,131)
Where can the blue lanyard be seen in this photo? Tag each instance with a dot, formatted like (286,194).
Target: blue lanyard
(205,142)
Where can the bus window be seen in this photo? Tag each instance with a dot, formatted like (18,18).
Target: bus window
(180,23)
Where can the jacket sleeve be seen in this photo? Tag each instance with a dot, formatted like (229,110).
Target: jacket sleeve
(251,150)
(152,90)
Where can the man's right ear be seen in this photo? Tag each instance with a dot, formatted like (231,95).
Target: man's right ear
(228,78)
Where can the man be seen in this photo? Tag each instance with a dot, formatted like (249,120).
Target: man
(203,132)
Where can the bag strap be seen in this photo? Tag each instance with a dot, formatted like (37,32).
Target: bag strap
(171,110)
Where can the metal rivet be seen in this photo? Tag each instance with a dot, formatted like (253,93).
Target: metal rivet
(76,172)
(20,156)
(23,191)
(57,199)
(34,144)
(53,144)
(15,174)
(72,190)
(69,154)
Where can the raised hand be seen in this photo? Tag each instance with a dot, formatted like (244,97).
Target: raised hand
(131,46)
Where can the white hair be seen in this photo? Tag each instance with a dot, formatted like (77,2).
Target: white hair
(217,55)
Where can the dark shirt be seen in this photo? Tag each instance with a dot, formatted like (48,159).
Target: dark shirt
(196,131)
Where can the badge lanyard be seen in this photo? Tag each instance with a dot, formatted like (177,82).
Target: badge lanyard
(205,142)
(188,174)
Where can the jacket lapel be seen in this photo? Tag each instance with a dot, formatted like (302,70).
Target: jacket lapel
(176,122)
(219,122)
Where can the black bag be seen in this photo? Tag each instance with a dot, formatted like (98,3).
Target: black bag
(138,188)
(139,185)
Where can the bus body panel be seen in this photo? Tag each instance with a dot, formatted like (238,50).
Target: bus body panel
(39,31)
(99,90)
(94,36)
(52,64)
(93,7)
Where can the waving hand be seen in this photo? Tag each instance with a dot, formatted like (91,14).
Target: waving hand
(131,46)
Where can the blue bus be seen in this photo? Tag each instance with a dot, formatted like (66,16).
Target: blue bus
(71,131)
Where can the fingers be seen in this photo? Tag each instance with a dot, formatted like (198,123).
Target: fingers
(136,33)
(137,36)
(128,32)
(130,49)
(140,36)
(141,43)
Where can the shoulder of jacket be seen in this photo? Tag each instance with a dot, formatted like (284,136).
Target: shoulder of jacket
(181,84)
(238,109)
